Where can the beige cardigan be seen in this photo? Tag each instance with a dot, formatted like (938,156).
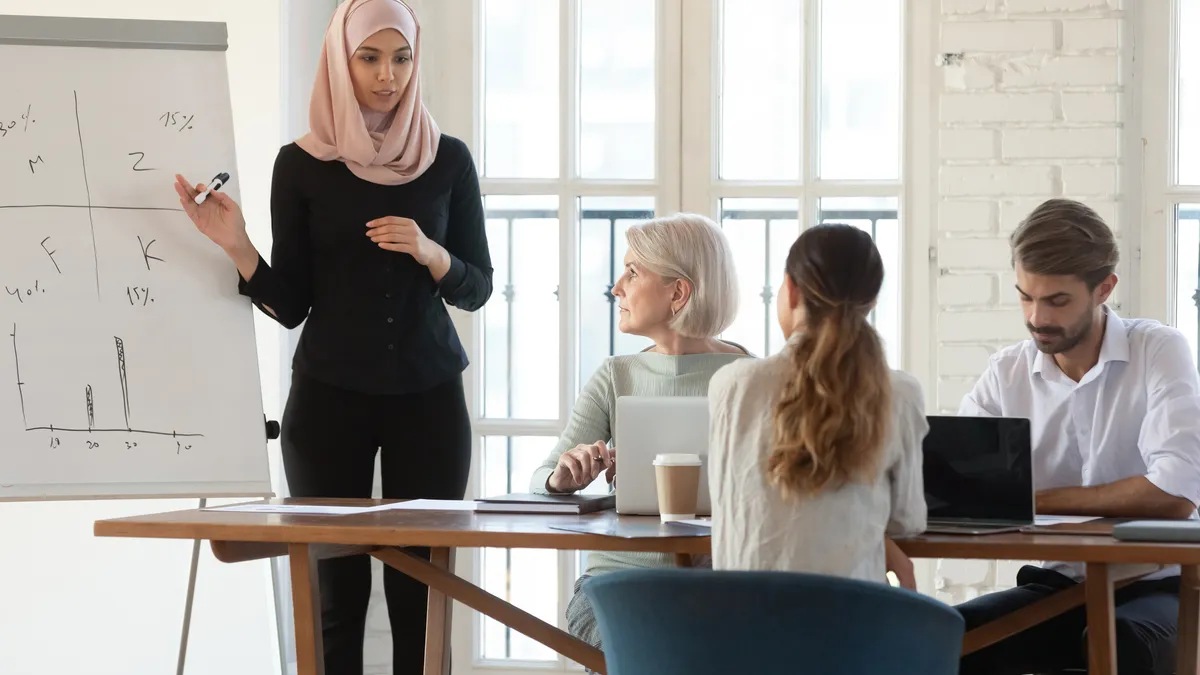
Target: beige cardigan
(839,532)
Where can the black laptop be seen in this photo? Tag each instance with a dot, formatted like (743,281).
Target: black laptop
(978,474)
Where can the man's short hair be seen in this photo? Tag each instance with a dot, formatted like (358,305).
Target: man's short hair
(1063,237)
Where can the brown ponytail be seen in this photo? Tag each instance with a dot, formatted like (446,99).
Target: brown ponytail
(834,414)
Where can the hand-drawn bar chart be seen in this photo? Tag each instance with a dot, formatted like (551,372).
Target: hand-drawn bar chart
(120,372)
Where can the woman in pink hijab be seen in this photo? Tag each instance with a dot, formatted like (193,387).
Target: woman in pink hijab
(377,223)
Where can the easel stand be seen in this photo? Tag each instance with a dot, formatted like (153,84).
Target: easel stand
(187,606)
(272,433)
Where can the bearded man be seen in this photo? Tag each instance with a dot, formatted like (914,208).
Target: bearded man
(1115,411)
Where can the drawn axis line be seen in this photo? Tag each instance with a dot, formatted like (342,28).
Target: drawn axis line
(124,395)
(20,384)
(173,434)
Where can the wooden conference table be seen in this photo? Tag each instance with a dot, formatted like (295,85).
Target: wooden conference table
(240,536)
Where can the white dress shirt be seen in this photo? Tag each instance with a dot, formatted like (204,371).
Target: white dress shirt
(1135,413)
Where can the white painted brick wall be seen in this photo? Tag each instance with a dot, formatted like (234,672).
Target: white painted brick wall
(1045,6)
(1033,111)
(1084,34)
(968,216)
(1062,71)
(969,143)
(1090,180)
(990,107)
(982,326)
(997,181)
(965,290)
(963,360)
(975,253)
(1091,107)
(1061,143)
(999,36)
(967,6)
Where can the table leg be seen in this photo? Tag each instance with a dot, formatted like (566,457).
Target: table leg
(437,618)
(1187,649)
(1102,636)
(306,603)
(684,560)
(453,586)
(1031,615)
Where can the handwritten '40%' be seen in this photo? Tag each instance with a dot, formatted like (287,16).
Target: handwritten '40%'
(28,292)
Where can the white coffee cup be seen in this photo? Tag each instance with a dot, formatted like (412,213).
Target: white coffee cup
(677,476)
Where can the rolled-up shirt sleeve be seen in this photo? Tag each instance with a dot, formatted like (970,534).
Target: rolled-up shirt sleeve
(1170,435)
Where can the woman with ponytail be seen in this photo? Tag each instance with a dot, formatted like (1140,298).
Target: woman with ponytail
(816,452)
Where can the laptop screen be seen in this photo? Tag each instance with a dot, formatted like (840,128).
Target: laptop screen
(978,468)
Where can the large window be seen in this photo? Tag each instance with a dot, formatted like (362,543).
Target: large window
(805,102)
(1186,165)
(573,131)
(1173,166)
(766,115)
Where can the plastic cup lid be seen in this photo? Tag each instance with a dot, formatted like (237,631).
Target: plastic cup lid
(677,459)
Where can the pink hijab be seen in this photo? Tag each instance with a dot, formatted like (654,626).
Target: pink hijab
(389,149)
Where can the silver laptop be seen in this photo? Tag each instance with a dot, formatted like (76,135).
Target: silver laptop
(978,474)
(651,425)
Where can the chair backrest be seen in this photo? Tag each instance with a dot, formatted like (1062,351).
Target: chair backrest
(701,622)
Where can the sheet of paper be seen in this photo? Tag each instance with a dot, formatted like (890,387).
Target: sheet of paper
(640,529)
(1059,520)
(701,522)
(426,505)
(294,509)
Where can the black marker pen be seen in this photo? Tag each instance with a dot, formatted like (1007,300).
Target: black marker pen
(214,184)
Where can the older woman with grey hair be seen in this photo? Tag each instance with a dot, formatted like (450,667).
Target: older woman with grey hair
(679,289)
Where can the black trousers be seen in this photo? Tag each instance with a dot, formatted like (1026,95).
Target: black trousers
(329,438)
(1147,614)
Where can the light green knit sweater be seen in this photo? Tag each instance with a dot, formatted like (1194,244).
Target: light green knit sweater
(643,374)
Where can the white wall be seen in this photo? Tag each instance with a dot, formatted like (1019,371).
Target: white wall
(1034,111)
(74,604)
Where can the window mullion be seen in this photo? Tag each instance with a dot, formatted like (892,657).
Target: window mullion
(1149,111)
(568,206)
(669,106)
(810,150)
(699,48)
